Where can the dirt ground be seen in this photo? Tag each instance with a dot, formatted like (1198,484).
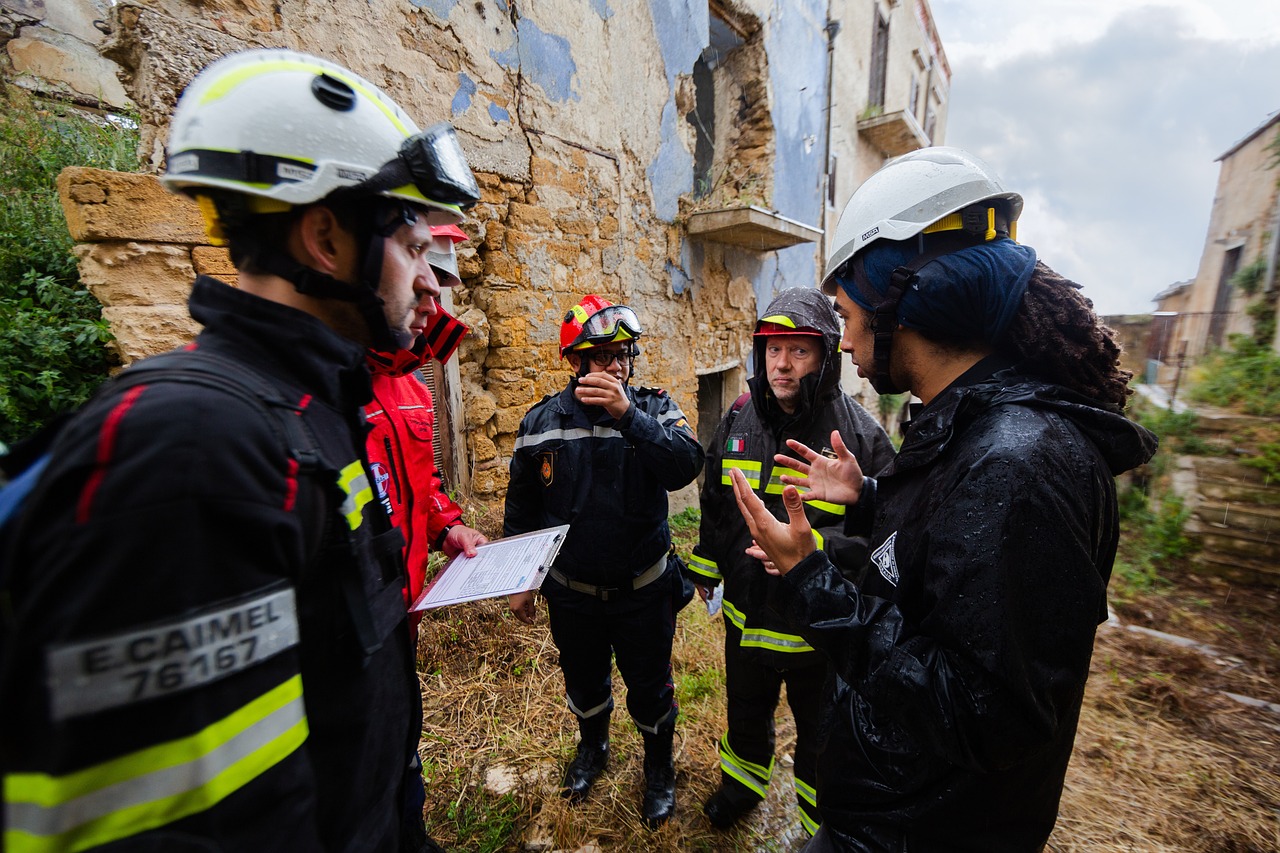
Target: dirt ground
(1178,747)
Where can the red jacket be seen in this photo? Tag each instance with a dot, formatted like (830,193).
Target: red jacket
(402,451)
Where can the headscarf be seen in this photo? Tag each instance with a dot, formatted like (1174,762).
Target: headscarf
(970,294)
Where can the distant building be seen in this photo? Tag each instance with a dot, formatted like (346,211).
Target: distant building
(1196,317)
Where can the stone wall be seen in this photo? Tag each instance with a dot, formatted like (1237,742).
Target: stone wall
(578,117)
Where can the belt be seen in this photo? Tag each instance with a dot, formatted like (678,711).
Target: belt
(604,593)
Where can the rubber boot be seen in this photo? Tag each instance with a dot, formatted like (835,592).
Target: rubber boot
(659,780)
(591,759)
(729,804)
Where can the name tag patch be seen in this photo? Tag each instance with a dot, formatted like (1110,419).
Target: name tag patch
(170,657)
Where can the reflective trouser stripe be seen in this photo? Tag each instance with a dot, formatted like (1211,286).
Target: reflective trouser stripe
(749,469)
(775,485)
(807,798)
(759,638)
(355,483)
(753,777)
(705,567)
(157,785)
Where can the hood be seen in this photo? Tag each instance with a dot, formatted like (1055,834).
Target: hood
(1123,444)
(439,341)
(804,306)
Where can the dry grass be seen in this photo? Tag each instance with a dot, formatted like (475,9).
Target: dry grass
(1163,760)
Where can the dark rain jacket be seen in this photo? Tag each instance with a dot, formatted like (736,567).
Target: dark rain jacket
(960,662)
(747,440)
(187,670)
(607,479)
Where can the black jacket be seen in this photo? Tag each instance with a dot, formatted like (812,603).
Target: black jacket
(608,480)
(184,600)
(747,440)
(960,662)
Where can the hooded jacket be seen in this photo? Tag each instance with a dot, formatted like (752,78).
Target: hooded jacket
(401,447)
(959,662)
(747,440)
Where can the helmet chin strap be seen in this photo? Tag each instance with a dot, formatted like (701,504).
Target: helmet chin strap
(884,319)
(363,294)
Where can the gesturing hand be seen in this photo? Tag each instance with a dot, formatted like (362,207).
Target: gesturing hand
(783,544)
(837,481)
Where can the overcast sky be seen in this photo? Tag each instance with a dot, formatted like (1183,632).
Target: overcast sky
(1108,117)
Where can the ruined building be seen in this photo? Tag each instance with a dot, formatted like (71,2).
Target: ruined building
(683,156)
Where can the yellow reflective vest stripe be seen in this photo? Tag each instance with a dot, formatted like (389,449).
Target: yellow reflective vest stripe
(157,785)
(355,484)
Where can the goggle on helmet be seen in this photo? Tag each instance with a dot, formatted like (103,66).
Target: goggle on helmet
(596,321)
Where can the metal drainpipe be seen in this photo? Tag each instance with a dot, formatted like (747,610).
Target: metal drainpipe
(832,28)
(1269,282)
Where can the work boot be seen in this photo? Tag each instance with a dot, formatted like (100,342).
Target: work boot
(591,759)
(729,804)
(659,780)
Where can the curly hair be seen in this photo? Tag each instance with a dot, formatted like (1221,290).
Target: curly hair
(1057,335)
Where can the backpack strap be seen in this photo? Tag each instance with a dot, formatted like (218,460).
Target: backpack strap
(193,367)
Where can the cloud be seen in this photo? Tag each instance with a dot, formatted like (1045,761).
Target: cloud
(1111,130)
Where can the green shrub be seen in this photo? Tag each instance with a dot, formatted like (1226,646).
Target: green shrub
(52,336)
(1246,377)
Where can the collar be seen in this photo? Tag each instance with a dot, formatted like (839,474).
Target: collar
(281,341)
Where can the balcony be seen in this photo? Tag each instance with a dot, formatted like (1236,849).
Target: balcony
(894,133)
(750,227)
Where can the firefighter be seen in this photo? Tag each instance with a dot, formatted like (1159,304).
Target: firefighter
(205,641)
(958,661)
(794,394)
(601,456)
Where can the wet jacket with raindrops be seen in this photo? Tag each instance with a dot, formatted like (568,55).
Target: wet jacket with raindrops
(958,665)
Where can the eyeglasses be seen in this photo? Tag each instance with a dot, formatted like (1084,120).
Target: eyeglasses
(604,358)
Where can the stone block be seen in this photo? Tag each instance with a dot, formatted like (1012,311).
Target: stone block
(68,64)
(102,206)
(487,482)
(211,260)
(511,357)
(507,421)
(143,330)
(519,393)
(526,217)
(137,274)
(482,448)
(478,408)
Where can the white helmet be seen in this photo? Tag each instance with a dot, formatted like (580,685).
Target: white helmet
(289,128)
(919,193)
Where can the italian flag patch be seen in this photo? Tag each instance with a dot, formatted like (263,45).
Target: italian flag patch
(735,445)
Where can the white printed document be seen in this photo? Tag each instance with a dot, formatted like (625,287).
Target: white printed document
(504,567)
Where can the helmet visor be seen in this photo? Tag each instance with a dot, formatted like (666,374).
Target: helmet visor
(438,168)
(604,325)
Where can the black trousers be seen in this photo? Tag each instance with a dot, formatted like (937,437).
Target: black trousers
(753,691)
(636,628)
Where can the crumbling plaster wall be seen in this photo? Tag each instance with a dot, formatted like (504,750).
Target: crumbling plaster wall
(569,115)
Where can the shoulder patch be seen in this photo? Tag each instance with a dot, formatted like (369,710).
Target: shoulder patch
(885,560)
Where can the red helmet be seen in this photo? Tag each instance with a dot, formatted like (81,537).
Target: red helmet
(595,321)
(441,255)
